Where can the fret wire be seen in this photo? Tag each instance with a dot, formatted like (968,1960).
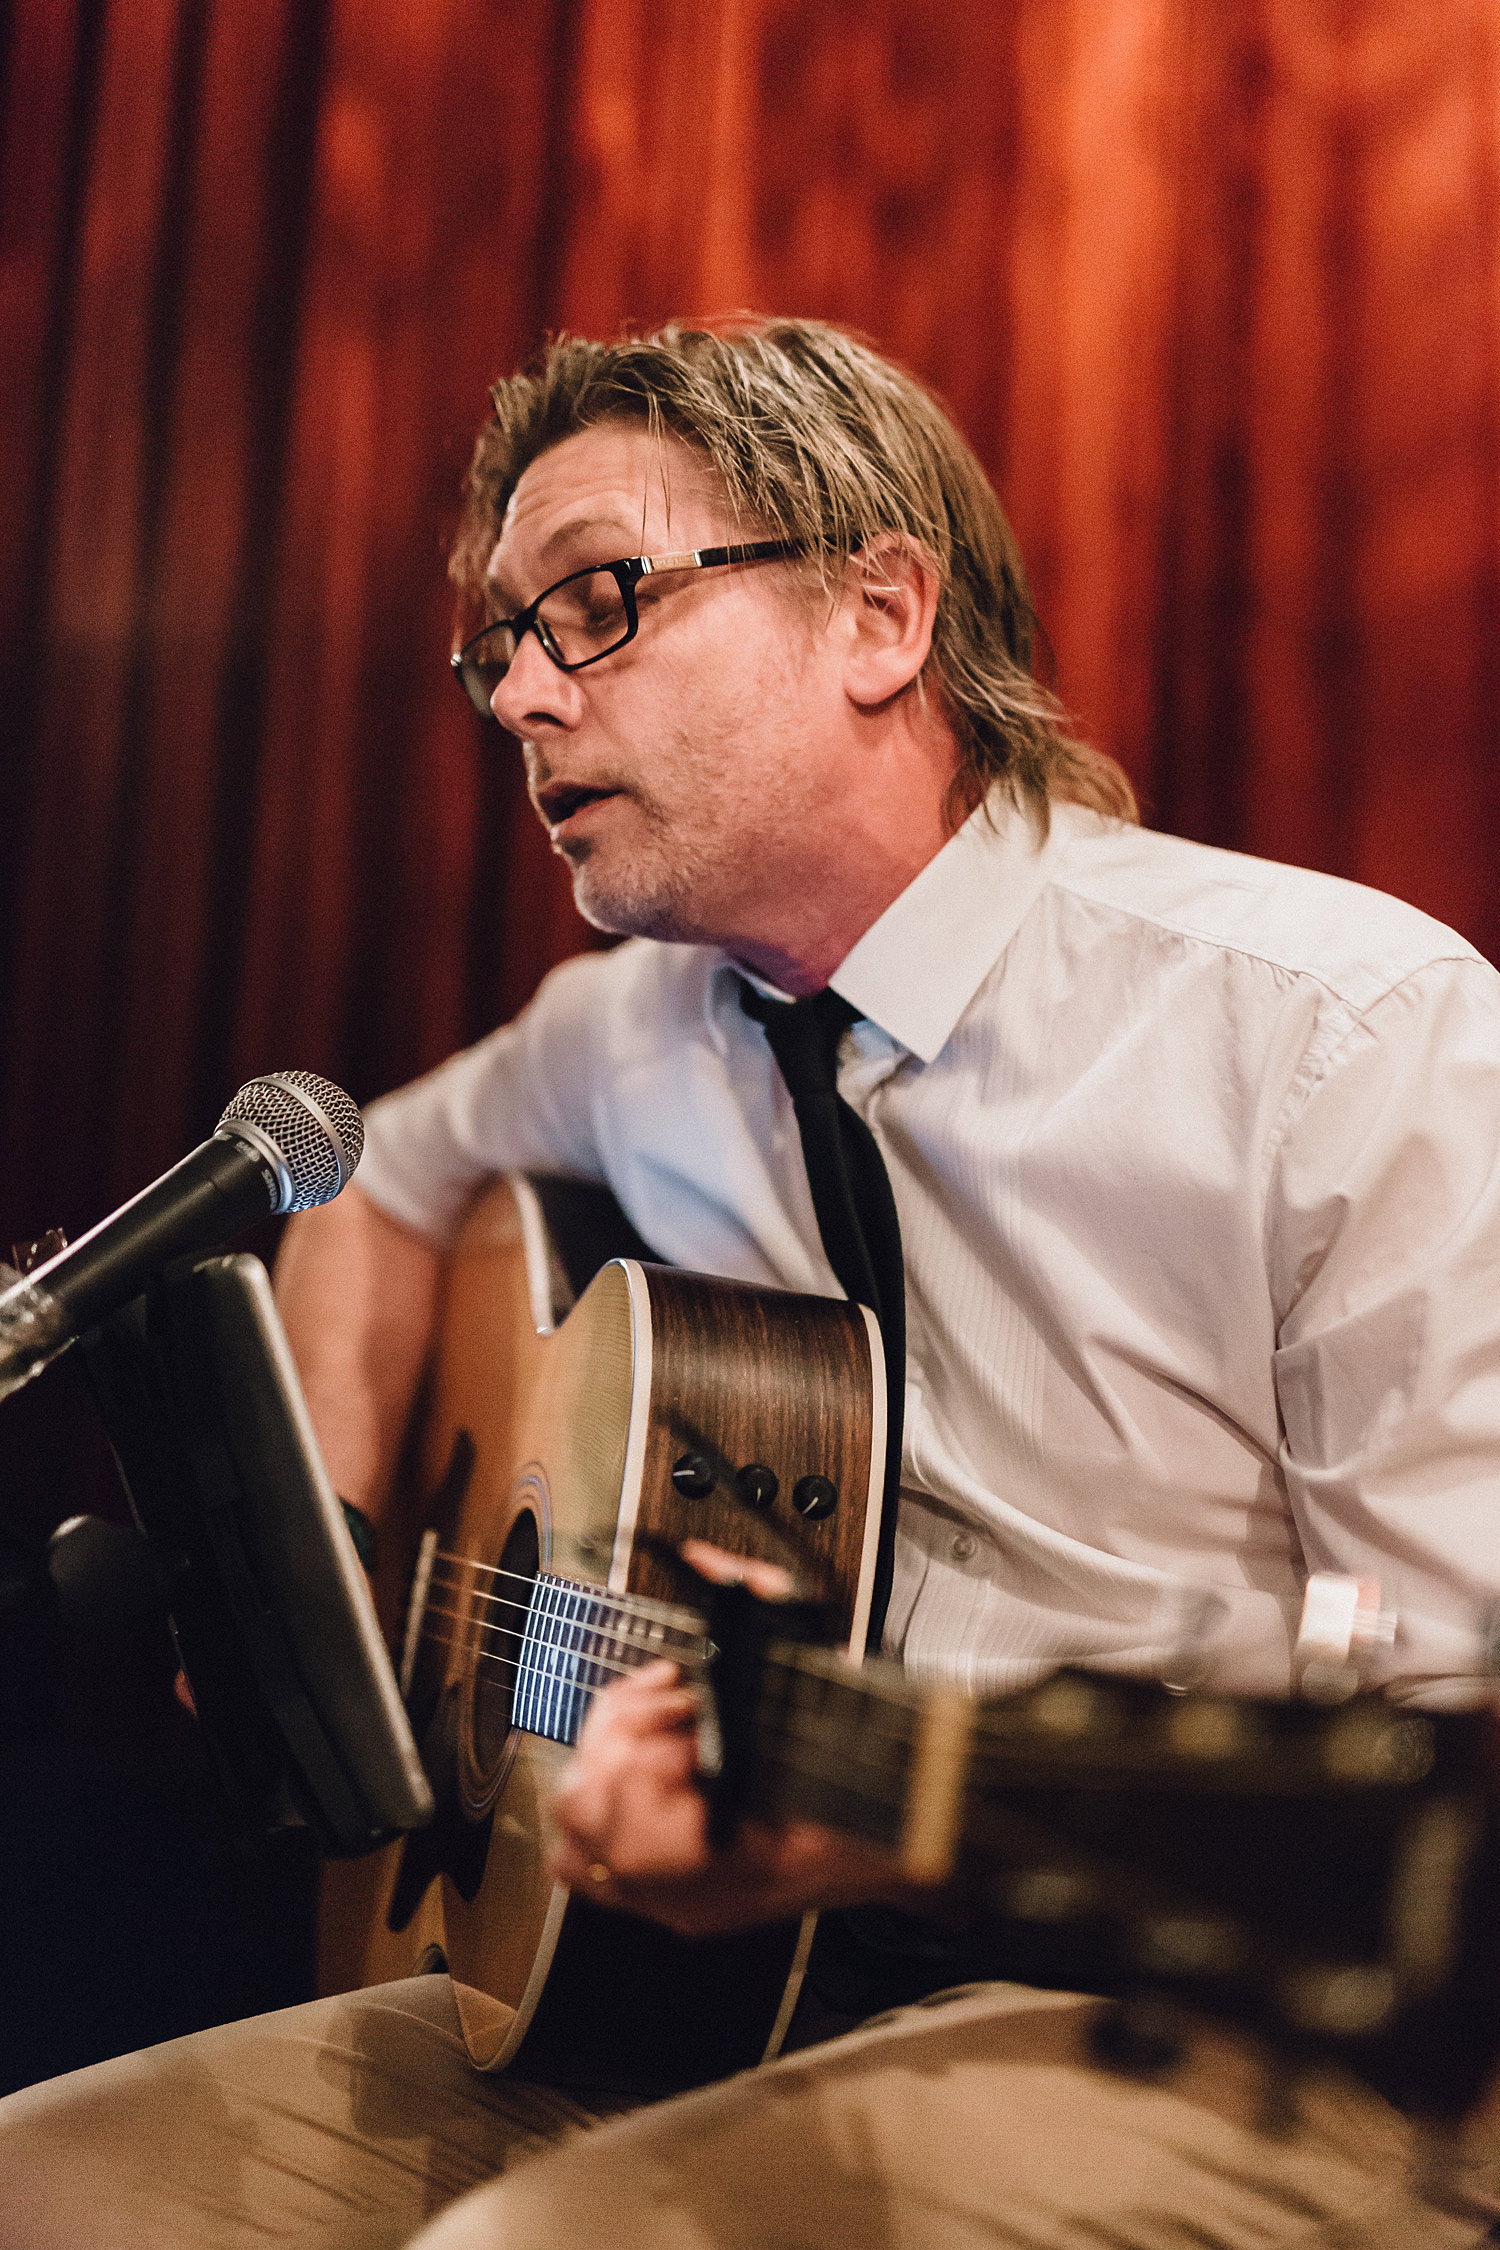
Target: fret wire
(803,1733)
(543,1646)
(485,1658)
(828,1763)
(690,1641)
(549,1600)
(542,1690)
(637,1604)
(585,1690)
(607,1604)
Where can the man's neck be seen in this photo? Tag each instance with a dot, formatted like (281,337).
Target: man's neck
(804,955)
(832,906)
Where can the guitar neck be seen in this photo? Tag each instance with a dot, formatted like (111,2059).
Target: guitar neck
(920,1768)
(1314,1867)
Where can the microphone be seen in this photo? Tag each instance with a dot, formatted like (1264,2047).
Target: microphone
(285,1142)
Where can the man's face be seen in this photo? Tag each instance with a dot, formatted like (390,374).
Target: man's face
(679,776)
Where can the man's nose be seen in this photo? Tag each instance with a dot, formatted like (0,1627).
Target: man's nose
(534,692)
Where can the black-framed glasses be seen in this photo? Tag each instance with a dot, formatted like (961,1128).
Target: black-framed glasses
(587,615)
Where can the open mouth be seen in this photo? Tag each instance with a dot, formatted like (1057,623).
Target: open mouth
(559,801)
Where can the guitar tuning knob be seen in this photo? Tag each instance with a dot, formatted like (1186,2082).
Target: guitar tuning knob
(693,1475)
(815,1497)
(757,1485)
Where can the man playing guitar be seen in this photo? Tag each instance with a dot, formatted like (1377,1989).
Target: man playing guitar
(1196,1163)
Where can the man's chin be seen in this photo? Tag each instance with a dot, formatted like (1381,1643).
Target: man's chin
(626,910)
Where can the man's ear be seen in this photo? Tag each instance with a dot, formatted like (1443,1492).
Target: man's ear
(890,600)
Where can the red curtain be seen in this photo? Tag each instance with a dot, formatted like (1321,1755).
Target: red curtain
(1215,292)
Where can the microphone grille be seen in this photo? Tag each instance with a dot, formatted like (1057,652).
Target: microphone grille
(315,1128)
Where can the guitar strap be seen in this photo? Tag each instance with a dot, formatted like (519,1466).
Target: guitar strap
(855,1209)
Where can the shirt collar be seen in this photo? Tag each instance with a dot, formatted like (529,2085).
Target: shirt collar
(915,970)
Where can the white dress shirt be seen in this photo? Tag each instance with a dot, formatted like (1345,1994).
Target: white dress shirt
(1197,1161)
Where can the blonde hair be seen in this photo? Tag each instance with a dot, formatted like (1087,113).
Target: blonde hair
(818,439)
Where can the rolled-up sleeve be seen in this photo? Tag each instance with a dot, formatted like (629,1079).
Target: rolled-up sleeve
(1383,1233)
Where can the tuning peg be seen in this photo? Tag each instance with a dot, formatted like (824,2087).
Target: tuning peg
(693,1476)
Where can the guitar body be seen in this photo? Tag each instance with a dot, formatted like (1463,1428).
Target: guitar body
(548,1445)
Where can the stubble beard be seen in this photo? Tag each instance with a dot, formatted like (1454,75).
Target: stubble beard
(678,873)
(646,892)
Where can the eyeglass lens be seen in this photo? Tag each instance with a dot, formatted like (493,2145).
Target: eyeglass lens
(583,618)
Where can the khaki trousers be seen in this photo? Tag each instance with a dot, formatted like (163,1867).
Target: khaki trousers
(975,2118)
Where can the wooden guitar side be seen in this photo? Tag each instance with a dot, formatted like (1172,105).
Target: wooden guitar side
(572,1437)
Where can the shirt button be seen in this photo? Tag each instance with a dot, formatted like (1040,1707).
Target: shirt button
(964,1546)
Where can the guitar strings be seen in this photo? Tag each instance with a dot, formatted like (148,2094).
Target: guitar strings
(446,1566)
(490,1659)
(572,1653)
(989,1760)
(563,1665)
(803,1752)
(451,1581)
(567,1633)
(636,1605)
(512,1633)
(556,1629)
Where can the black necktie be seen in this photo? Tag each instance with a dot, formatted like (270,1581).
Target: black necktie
(856,1211)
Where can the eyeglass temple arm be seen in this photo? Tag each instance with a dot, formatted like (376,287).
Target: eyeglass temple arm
(710,558)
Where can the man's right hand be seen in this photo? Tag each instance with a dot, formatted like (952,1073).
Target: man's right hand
(632,1824)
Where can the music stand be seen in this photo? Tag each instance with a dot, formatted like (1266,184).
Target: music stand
(270,1607)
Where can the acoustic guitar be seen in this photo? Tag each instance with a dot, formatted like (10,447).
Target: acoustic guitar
(586,1412)
(1322,1873)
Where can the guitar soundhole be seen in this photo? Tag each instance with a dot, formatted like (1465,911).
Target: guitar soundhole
(490,1736)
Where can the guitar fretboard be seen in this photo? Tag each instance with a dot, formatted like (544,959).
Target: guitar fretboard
(578,1638)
